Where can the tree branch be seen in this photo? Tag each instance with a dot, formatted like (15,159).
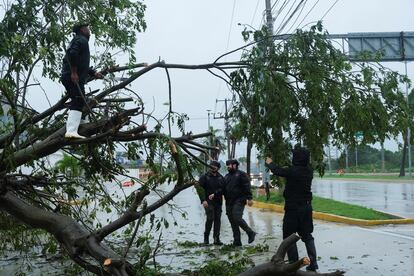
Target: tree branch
(128,217)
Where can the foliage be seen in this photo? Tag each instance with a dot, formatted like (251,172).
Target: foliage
(216,140)
(303,89)
(222,268)
(370,158)
(34,29)
(275,197)
(69,164)
(35,34)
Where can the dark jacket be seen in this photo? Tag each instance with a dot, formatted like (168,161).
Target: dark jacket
(236,187)
(211,184)
(298,182)
(298,178)
(77,54)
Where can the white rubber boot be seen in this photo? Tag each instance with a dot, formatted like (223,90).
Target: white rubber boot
(72,125)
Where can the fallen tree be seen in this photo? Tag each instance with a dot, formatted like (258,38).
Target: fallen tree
(278,266)
(36,199)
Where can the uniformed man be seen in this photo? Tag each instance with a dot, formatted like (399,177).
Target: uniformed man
(236,191)
(298,203)
(211,183)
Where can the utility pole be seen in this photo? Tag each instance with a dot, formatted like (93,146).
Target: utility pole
(210,140)
(356,157)
(269,18)
(329,159)
(269,23)
(382,157)
(226,124)
(208,115)
(408,128)
(346,157)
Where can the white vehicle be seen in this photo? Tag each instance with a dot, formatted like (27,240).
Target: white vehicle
(256,180)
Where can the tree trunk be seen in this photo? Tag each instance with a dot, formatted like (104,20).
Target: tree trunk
(404,156)
(233,148)
(278,267)
(248,156)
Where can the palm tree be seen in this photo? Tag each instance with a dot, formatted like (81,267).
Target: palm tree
(69,165)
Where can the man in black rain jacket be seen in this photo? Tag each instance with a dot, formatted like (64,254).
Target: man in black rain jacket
(298,203)
(211,183)
(236,191)
(74,75)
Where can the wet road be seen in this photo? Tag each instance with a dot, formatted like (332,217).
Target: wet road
(384,250)
(389,197)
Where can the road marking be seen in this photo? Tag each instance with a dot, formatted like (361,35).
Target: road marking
(388,233)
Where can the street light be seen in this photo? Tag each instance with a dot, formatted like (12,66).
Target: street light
(210,141)
(208,115)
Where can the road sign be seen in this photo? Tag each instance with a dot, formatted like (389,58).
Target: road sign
(393,46)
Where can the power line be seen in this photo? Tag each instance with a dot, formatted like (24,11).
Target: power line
(255,11)
(329,9)
(274,5)
(288,12)
(284,4)
(303,7)
(283,24)
(231,24)
(227,46)
(307,14)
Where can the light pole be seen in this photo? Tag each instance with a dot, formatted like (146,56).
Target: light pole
(208,115)
(408,129)
(210,140)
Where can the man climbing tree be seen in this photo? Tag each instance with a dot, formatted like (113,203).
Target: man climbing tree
(75,73)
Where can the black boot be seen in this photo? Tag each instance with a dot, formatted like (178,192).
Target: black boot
(217,241)
(311,250)
(237,243)
(206,242)
(251,236)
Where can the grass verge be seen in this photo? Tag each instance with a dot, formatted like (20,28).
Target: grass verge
(334,207)
(365,176)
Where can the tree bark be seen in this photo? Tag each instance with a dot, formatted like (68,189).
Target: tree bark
(70,234)
(277,266)
(248,156)
(404,156)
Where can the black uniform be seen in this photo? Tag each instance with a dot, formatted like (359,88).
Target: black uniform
(77,54)
(236,190)
(298,204)
(211,184)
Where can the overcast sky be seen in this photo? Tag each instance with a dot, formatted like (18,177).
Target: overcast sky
(196,32)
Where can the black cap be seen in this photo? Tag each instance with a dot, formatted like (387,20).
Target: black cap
(215,164)
(231,162)
(76,28)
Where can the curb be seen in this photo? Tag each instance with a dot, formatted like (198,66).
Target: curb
(335,218)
